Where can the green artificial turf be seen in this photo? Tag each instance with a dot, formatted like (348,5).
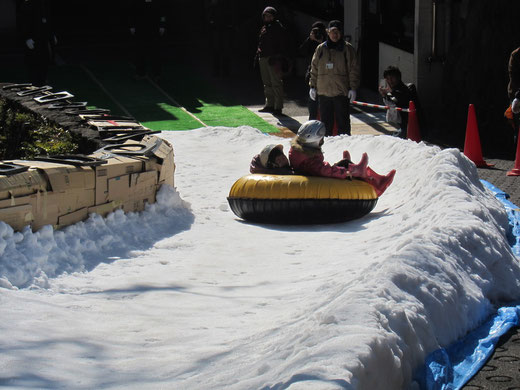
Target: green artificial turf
(161,106)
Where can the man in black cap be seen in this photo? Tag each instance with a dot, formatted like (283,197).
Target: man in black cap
(271,51)
(334,79)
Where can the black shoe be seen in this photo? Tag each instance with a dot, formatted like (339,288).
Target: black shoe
(266,109)
(277,111)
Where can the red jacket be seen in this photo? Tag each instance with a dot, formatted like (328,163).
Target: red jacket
(309,161)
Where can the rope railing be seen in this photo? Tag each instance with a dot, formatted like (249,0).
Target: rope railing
(363,104)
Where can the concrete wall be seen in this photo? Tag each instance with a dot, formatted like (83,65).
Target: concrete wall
(405,61)
(352,21)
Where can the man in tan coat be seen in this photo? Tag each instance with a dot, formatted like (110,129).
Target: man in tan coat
(334,79)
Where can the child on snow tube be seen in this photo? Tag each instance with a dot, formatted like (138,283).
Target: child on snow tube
(306,158)
(271,160)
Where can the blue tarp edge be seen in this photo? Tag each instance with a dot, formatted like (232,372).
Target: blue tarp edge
(451,368)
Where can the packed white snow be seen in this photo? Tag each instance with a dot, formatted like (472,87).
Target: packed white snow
(185,295)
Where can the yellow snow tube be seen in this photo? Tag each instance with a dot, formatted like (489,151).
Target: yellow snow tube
(292,199)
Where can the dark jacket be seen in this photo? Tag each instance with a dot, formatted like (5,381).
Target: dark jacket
(306,50)
(272,40)
(401,95)
(257,167)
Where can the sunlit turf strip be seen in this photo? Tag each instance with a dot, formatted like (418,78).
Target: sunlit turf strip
(233,116)
(207,102)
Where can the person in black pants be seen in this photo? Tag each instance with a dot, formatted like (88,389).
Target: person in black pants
(148,27)
(317,35)
(35,27)
(335,78)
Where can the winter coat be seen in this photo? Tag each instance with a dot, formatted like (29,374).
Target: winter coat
(272,40)
(257,167)
(310,162)
(306,50)
(514,74)
(344,74)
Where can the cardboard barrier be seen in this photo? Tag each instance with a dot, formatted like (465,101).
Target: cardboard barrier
(60,194)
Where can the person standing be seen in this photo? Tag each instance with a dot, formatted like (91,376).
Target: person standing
(513,89)
(397,94)
(148,26)
(334,79)
(271,50)
(307,48)
(35,27)
(514,73)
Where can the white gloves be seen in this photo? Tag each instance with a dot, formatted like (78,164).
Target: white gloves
(162,30)
(132,30)
(515,106)
(352,95)
(312,93)
(30,43)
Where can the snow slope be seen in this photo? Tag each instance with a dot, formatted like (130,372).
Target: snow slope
(187,296)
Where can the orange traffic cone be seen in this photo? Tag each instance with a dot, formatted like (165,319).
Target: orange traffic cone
(472,148)
(516,170)
(412,132)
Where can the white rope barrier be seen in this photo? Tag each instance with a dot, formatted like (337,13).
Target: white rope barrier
(363,104)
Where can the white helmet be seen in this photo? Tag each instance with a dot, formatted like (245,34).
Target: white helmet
(266,152)
(311,133)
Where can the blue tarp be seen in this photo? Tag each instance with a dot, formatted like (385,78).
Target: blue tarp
(451,368)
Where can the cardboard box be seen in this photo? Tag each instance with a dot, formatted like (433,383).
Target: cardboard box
(74,217)
(119,188)
(70,201)
(111,123)
(105,209)
(117,166)
(17,216)
(15,201)
(64,178)
(24,183)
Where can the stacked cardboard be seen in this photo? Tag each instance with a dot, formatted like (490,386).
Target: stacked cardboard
(60,194)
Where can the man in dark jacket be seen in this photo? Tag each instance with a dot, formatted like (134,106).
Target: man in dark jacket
(35,27)
(148,26)
(271,56)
